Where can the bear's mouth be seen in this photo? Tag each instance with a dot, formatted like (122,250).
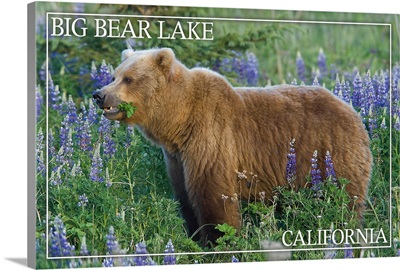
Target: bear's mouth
(108,110)
(112,113)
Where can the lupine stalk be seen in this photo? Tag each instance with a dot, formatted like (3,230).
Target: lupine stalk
(40,166)
(348,251)
(82,133)
(291,164)
(382,99)
(109,145)
(83,250)
(112,243)
(357,97)
(97,166)
(346,91)
(169,259)
(338,87)
(83,200)
(145,258)
(315,82)
(71,110)
(39,101)
(239,67)
(301,68)
(369,96)
(59,246)
(251,69)
(102,77)
(329,169)
(316,179)
(54,94)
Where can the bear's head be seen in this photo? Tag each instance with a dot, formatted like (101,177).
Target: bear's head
(143,79)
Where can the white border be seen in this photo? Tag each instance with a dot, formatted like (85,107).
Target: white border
(216,19)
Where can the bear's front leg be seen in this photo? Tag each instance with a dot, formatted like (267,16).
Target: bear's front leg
(176,175)
(214,201)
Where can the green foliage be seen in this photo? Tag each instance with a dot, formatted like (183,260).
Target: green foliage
(128,107)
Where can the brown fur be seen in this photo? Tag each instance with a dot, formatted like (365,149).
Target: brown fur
(209,131)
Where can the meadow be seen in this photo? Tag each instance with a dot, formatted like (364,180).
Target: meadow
(103,196)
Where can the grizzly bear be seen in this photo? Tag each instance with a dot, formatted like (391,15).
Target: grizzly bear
(209,131)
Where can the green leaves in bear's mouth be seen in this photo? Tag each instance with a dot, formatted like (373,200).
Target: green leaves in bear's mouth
(128,107)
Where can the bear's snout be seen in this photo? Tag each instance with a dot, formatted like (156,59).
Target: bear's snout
(99,96)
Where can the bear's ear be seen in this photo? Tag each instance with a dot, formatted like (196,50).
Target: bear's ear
(126,54)
(164,59)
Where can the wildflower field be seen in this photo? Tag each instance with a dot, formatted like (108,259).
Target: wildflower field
(103,197)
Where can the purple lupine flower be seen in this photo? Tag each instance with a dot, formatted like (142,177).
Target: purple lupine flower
(129,134)
(40,140)
(346,91)
(66,143)
(251,69)
(382,99)
(108,180)
(83,200)
(39,101)
(225,65)
(54,94)
(358,89)
(315,82)
(369,96)
(316,181)
(83,250)
(141,260)
(64,131)
(59,247)
(112,243)
(329,169)
(383,123)
(397,123)
(71,110)
(109,145)
(234,259)
(55,178)
(338,87)
(322,64)
(40,166)
(76,169)
(102,77)
(82,134)
(169,259)
(291,164)
(52,150)
(330,253)
(395,88)
(348,251)
(42,72)
(301,67)
(97,166)
(92,116)
(105,125)
(239,67)
(108,262)
(372,123)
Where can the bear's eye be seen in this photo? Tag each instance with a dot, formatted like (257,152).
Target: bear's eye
(113,79)
(127,80)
